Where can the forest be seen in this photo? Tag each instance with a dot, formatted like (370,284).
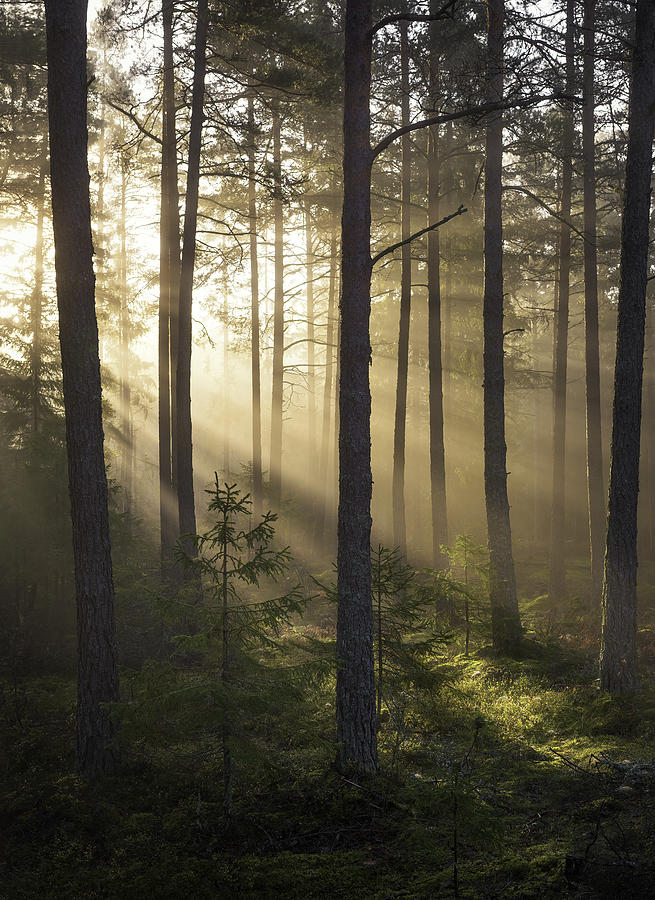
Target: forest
(327,389)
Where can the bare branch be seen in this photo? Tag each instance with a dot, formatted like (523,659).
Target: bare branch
(132,117)
(481,110)
(417,234)
(551,212)
(446,12)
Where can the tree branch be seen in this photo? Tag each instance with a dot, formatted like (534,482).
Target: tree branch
(551,212)
(480,110)
(417,234)
(444,13)
(132,117)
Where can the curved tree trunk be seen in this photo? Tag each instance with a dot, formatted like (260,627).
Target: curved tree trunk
(78,335)
(356,720)
(186,504)
(505,622)
(618,654)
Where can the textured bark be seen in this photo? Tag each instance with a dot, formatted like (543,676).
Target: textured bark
(437,449)
(36,305)
(592,352)
(557,589)
(505,622)
(618,654)
(278,318)
(185,496)
(257,491)
(400,422)
(169,261)
(78,336)
(356,720)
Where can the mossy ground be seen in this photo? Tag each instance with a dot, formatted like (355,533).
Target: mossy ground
(510,766)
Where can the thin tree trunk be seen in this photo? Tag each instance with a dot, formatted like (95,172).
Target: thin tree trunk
(324,479)
(400,423)
(505,622)
(169,259)
(311,348)
(124,383)
(557,588)
(186,504)
(592,351)
(36,306)
(356,719)
(227,406)
(278,318)
(437,449)
(78,336)
(618,654)
(257,491)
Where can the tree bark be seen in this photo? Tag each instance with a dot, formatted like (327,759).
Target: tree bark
(356,720)
(400,423)
(505,621)
(618,654)
(277,397)
(78,336)
(592,351)
(169,261)
(557,589)
(437,449)
(124,354)
(257,491)
(311,348)
(186,503)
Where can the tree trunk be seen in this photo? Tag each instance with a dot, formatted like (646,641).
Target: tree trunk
(186,505)
(618,654)
(278,318)
(257,499)
(325,481)
(505,622)
(398,485)
(437,450)
(311,348)
(356,721)
(592,352)
(557,589)
(78,336)
(169,260)
(124,352)
(36,306)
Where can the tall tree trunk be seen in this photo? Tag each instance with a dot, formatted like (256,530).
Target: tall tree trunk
(78,336)
(169,261)
(592,351)
(618,654)
(505,622)
(437,450)
(186,504)
(356,720)
(124,352)
(325,481)
(226,379)
(257,499)
(398,480)
(311,347)
(557,588)
(278,318)
(36,306)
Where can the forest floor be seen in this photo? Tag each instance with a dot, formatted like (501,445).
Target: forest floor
(520,780)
